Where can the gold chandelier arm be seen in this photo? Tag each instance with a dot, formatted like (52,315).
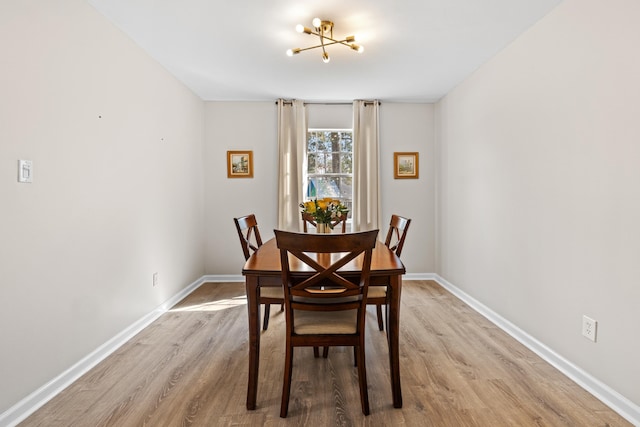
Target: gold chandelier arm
(321,45)
(349,42)
(329,38)
(345,42)
(325,56)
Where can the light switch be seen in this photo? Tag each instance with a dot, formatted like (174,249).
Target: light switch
(25,171)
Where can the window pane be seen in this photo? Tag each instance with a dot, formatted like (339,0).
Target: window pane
(332,186)
(346,163)
(311,163)
(321,163)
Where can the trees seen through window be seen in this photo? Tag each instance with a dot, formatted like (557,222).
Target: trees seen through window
(330,165)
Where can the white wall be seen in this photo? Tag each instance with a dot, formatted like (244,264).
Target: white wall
(116,145)
(253,126)
(540,203)
(238,126)
(410,127)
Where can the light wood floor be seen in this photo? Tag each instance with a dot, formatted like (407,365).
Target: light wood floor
(189,369)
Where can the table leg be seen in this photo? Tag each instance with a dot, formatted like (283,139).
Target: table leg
(253,308)
(393,337)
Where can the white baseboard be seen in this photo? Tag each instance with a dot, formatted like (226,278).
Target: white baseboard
(222,278)
(420,276)
(623,406)
(606,394)
(21,410)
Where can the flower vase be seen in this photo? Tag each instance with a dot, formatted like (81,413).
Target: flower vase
(323,228)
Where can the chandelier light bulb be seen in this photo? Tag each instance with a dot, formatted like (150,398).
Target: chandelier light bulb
(317,22)
(300,28)
(325,58)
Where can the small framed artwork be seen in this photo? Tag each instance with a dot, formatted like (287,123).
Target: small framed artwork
(239,164)
(405,165)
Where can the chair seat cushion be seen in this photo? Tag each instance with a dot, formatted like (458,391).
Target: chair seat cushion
(325,322)
(377,292)
(271,292)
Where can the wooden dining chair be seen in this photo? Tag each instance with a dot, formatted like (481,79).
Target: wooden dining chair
(326,307)
(250,241)
(397,233)
(340,221)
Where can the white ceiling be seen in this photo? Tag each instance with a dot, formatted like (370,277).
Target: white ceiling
(234,50)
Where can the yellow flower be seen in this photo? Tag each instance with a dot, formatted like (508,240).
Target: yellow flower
(310,206)
(322,204)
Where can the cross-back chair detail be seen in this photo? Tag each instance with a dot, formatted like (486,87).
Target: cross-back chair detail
(326,307)
(250,240)
(248,233)
(396,235)
(398,227)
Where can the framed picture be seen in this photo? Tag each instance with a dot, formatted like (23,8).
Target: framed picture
(405,165)
(240,164)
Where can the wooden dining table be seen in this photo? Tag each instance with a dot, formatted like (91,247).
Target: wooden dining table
(263,269)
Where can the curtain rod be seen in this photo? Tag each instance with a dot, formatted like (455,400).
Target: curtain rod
(333,103)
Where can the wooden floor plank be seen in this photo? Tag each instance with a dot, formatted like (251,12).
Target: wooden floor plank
(189,368)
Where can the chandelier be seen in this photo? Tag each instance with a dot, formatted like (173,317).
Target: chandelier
(324,30)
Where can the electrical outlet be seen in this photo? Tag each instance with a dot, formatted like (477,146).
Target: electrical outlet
(589,328)
(155,279)
(25,171)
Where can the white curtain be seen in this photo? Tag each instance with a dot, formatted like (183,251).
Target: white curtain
(366,192)
(292,144)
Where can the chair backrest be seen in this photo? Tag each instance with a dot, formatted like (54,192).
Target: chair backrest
(308,219)
(397,233)
(248,233)
(326,288)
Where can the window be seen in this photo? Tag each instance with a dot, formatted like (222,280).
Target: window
(330,164)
